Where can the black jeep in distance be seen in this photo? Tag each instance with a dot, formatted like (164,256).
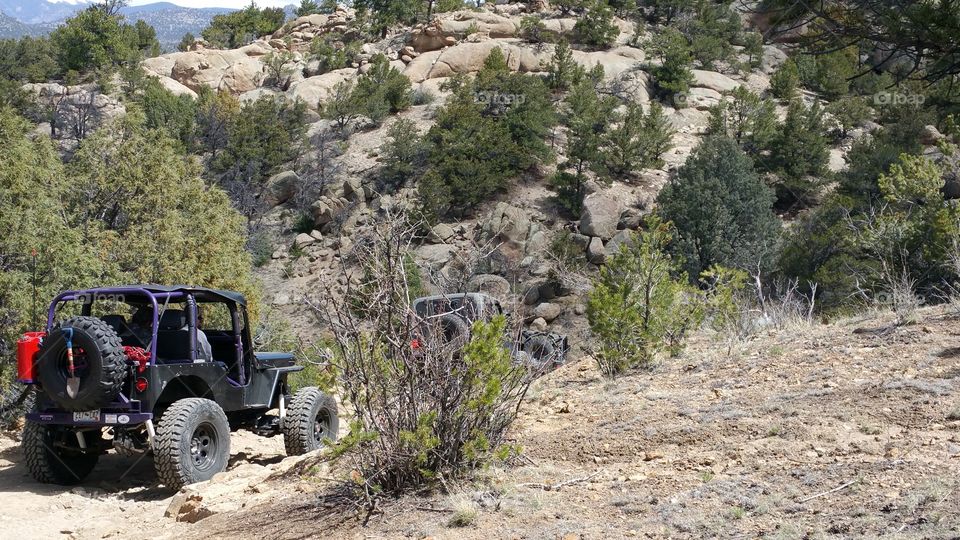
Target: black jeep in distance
(167,370)
(451,316)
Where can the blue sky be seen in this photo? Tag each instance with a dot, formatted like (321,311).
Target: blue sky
(205,3)
(221,3)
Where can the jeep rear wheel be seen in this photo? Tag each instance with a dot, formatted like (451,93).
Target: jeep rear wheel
(310,422)
(54,456)
(192,442)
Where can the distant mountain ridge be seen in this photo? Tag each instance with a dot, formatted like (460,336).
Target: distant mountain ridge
(36,18)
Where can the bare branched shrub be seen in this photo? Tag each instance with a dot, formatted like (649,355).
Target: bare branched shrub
(731,306)
(424,407)
(950,291)
(783,304)
(738,305)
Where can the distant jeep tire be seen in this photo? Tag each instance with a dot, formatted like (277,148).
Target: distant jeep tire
(99,363)
(311,421)
(192,442)
(53,453)
(541,351)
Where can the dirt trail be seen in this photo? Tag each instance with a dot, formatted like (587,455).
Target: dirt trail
(711,444)
(121,498)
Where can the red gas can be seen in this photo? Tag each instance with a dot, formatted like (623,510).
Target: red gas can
(27,348)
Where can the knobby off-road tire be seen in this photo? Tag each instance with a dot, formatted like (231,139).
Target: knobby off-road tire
(53,453)
(101,366)
(541,351)
(311,421)
(192,442)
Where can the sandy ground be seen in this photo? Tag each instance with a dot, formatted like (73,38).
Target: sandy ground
(824,431)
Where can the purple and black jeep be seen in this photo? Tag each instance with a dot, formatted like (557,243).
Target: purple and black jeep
(167,370)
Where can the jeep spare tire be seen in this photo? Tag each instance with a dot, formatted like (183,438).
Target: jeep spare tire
(454,332)
(98,359)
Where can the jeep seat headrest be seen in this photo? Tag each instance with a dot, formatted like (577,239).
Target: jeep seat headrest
(173,319)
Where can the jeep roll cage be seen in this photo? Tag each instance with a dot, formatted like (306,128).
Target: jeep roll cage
(158,297)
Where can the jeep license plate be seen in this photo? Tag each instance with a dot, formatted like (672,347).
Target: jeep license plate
(87,416)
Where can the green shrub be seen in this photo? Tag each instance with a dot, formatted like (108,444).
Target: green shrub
(97,38)
(562,71)
(721,209)
(785,80)
(402,155)
(332,51)
(834,71)
(265,134)
(28,60)
(281,66)
(176,115)
(310,7)
(586,114)
(753,48)
(673,76)
(567,7)
(639,303)
(849,112)
(596,27)
(712,30)
(799,154)
(638,140)
(237,28)
(422,97)
(491,129)
(746,118)
(728,302)
(342,105)
(532,30)
(667,11)
(381,90)
(380,15)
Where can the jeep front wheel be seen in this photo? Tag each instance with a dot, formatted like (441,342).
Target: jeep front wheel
(54,456)
(192,442)
(311,421)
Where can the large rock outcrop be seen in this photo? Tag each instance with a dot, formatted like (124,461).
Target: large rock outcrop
(449,28)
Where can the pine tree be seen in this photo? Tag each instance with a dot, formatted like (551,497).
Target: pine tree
(586,115)
(673,76)
(562,71)
(721,210)
(799,154)
(637,140)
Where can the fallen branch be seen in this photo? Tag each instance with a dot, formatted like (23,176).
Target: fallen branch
(432,509)
(834,490)
(556,487)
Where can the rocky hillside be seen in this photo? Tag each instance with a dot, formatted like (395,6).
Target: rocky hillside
(429,54)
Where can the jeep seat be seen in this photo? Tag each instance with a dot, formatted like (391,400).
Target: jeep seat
(173,337)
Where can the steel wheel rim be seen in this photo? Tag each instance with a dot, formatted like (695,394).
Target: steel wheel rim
(203,446)
(321,427)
